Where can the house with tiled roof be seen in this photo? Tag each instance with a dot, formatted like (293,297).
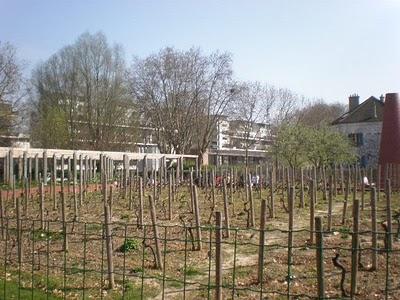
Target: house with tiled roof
(362,123)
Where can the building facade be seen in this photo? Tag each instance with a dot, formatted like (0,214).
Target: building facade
(363,125)
(234,139)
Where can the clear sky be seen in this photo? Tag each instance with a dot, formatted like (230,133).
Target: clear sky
(318,48)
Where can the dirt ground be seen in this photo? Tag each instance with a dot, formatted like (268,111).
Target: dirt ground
(187,272)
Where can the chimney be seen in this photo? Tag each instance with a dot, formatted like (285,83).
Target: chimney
(389,152)
(382,98)
(354,101)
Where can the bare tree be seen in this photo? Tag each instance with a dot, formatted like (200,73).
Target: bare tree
(183,94)
(11,86)
(285,105)
(251,114)
(84,88)
(215,99)
(318,113)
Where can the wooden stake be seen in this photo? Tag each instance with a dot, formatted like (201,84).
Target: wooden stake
(354,246)
(272,198)
(197,217)
(140,216)
(218,256)
(64,220)
(374,238)
(169,196)
(41,199)
(388,191)
(320,256)
(252,221)
(312,211)
(346,198)
(110,263)
(155,232)
(261,243)
(301,188)
(226,209)
(330,202)
(2,215)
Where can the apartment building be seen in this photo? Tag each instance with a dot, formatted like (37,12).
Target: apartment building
(234,138)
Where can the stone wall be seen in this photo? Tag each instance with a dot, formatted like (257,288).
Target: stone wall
(371,139)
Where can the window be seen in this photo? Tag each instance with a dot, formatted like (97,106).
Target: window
(357,139)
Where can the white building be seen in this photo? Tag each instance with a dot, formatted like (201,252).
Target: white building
(233,137)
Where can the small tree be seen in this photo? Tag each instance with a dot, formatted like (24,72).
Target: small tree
(53,129)
(290,145)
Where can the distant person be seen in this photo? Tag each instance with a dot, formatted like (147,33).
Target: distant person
(366,182)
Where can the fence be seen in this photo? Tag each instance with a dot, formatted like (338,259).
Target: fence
(34,258)
(284,239)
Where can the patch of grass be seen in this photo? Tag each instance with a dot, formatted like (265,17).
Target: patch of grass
(344,232)
(12,289)
(243,271)
(270,227)
(43,235)
(191,271)
(125,217)
(129,245)
(74,269)
(175,284)
(93,227)
(134,291)
(137,270)
(41,281)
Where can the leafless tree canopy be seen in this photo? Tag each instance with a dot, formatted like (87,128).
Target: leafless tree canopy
(85,97)
(81,95)
(252,105)
(318,114)
(182,95)
(285,104)
(257,104)
(11,84)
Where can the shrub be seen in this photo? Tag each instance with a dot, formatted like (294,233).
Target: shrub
(129,245)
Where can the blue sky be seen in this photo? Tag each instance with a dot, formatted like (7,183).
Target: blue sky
(318,48)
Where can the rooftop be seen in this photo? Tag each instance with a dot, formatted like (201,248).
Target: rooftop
(371,110)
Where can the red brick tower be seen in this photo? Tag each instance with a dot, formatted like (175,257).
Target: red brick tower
(389,152)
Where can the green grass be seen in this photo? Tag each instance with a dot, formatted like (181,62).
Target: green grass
(175,284)
(133,291)
(344,232)
(192,271)
(94,226)
(129,245)
(244,271)
(125,217)
(43,235)
(25,293)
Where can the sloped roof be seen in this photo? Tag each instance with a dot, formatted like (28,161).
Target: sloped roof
(371,110)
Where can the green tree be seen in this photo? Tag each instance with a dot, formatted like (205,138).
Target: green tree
(290,145)
(299,145)
(326,146)
(52,128)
